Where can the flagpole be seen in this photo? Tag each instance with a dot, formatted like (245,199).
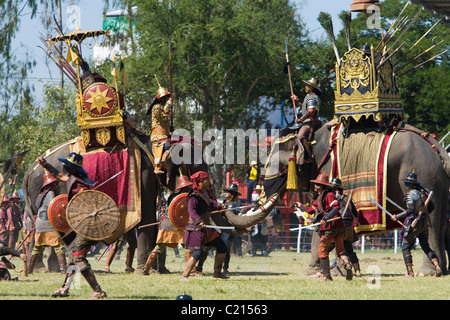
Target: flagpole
(114,73)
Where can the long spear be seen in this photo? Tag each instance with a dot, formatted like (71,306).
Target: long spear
(392,25)
(418,56)
(421,64)
(420,39)
(170,85)
(290,80)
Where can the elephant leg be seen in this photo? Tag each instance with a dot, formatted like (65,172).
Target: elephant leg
(313,266)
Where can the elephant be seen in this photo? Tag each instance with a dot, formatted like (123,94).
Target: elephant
(150,188)
(409,150)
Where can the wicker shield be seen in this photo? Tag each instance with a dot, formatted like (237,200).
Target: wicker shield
(57,213)
(178,211)
(93,214)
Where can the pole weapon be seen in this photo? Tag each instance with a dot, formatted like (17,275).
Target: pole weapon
(170,85)
(421,64)
(420,39)
(385,211)
(108,179)
(418,56)
(290,79)
(392,25)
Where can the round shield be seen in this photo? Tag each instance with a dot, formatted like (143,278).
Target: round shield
(99,99)
(178,211)
(57,213)
(93,214)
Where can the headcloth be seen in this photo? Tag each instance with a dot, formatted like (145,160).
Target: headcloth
(196,178)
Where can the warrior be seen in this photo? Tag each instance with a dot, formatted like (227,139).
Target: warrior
(168,234)
(231,201)
(348,216)
(328,208)
(46,235)
(309,114)
(201,202)
(4,234)
(14,223)
(77,180)
(416,224)
(4,263)
(160,126)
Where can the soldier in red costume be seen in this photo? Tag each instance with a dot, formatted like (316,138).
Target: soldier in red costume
(327,208)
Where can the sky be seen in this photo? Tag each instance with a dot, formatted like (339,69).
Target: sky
(91,18)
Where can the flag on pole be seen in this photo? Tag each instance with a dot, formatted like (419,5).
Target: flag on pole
(122,74)
(114,70)
(72,57)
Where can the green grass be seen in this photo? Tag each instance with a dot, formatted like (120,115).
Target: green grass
(278,277)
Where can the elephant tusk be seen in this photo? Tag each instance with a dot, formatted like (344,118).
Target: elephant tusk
(266,206)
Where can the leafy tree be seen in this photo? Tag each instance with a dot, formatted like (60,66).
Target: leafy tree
(227,64)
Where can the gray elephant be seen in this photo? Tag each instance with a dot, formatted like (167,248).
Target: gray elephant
(411,149)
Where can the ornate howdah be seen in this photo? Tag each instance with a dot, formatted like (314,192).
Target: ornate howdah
(364,90)
(99,114)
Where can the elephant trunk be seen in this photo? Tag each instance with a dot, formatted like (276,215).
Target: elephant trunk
(253,216)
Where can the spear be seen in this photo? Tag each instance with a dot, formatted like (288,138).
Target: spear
(290,80)
(420,39)
(409,25)
(421,64)
(170,85)
(390,56)
(418,56)
(392,25)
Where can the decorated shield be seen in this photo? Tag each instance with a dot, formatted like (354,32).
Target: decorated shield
(57,213)
(99,99)
(178,211)
(93,214)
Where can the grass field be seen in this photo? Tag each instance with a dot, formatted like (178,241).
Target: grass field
(278,277)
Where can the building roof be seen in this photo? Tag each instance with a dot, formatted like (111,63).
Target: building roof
(440,8)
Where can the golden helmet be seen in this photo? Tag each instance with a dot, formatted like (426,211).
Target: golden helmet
(313,82)
(162,92)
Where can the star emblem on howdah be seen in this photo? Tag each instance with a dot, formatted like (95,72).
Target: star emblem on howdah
(99,100)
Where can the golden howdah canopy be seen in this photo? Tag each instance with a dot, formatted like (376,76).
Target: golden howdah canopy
(365,90)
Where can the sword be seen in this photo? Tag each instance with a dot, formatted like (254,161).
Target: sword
(313,225)
(394,203)
(108,179)
(217,227)
(385,211)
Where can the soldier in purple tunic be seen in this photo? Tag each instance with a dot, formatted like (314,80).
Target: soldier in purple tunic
(201,202)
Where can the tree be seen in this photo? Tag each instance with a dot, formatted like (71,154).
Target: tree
(227,64)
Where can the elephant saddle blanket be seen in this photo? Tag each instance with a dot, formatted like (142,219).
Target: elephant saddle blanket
(117,173)
(360,160)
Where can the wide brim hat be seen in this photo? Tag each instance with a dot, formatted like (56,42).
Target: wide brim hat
(322,179)
(313,82)
(14,195)
(411,178)
(75,162)
(232,188)
(48,178)
(183,181)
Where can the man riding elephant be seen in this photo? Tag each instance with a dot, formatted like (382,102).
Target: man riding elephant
(160,126)
(309,114)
